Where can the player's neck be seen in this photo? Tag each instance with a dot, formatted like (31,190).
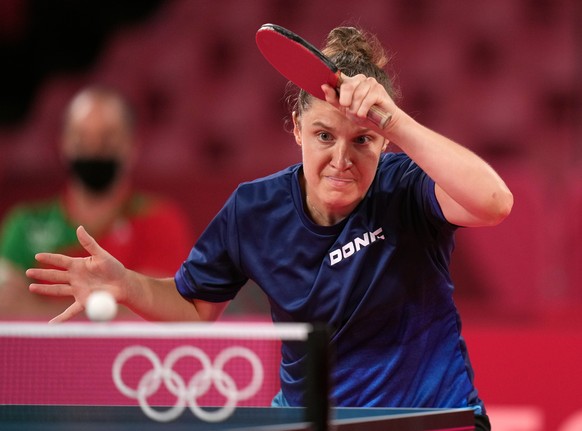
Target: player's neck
(321,217)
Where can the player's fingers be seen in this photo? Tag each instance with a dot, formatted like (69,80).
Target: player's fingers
(346,92)
(51,275)
(331,95)
(53,259)
(51,289)
(88,242)
(74,309)
(353,89)
(364,96)
(362,103)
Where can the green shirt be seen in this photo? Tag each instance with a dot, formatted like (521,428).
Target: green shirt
(31,229)
(150,235)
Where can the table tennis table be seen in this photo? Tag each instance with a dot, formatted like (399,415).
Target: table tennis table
(125,418)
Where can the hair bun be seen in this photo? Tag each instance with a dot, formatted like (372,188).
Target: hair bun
(357,44)
(353,52)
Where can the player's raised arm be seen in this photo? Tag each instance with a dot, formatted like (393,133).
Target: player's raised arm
(468,189)
(151,298)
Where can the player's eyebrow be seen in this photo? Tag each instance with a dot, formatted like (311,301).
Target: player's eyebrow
(323,125)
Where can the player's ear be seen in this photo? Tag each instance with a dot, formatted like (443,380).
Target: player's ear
(385,145)
(297,128)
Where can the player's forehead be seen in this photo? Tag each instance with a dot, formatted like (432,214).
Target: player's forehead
(320,114)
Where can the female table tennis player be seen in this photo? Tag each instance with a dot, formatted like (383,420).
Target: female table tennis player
(353,236)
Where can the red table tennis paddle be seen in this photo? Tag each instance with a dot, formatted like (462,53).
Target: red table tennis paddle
(304,65)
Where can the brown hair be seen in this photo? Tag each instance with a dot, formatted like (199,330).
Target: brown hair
(354,52)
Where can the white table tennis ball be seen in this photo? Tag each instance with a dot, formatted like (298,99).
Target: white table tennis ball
(101,306)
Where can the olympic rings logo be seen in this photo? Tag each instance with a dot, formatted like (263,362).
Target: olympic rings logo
(211,373)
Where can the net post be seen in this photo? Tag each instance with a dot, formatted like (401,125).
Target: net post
(318,378)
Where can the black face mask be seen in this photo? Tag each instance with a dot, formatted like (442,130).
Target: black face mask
(96,174)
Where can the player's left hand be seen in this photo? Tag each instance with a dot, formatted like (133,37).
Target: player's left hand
(79,276)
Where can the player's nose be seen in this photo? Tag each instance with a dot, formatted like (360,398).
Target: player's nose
(341,158)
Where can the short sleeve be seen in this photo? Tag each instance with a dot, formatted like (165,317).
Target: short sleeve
(212,271)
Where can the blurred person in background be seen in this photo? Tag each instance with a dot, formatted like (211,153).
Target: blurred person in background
(97,146)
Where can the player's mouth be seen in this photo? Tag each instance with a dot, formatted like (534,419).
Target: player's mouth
(339,182)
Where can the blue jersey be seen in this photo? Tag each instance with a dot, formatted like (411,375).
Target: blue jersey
(379,279)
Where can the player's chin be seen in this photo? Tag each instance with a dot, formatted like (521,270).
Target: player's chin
(341,199)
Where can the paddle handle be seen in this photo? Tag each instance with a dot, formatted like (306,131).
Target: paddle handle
(379,117)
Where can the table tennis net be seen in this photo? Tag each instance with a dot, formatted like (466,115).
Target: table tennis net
(165,369)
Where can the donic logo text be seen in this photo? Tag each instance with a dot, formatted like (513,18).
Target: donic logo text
(354,246)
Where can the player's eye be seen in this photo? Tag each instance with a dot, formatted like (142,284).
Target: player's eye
(364,139)
(324,136)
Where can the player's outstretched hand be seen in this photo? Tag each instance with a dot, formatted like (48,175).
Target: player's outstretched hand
(78,276)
